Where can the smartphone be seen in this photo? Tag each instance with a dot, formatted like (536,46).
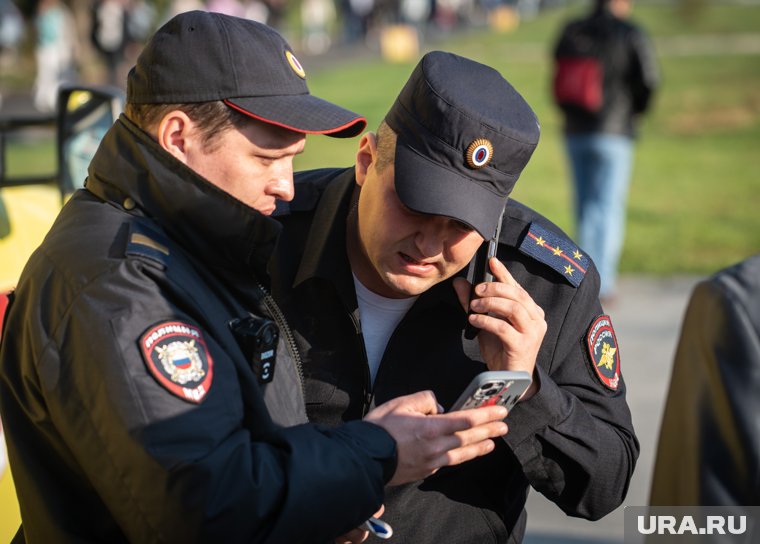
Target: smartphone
(482,272)
(494,387)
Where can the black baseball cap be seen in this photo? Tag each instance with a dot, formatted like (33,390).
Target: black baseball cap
(464,135)
(200,56)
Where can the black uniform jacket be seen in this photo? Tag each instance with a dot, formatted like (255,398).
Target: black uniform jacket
(104,445)
(709,448)
(573,441)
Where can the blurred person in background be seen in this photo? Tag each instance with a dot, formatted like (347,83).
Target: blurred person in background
(256,10)
(119,29)
(709,447)
(141,21)
(228,7)
(56,52)
(11,32)
(356,16)
(175,7)
(317,20)
(109,34)
(604,78)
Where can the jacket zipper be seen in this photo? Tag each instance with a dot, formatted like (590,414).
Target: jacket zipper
(282,323)
(368,389)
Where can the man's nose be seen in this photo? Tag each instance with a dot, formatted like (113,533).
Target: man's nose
(281,186)
(431,236)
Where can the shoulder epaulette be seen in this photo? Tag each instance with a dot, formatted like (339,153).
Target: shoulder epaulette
(147,243)
(556,251)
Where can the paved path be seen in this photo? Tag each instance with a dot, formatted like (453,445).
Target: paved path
(647,319)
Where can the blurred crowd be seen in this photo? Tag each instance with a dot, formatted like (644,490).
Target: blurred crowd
(70,36)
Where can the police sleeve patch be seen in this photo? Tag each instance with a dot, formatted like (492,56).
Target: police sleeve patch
(177,356)
(603,352)
(557,252)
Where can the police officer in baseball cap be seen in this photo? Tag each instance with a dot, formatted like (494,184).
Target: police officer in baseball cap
(375,275)
(149,385)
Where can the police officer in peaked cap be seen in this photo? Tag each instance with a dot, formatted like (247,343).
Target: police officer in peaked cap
(378,280)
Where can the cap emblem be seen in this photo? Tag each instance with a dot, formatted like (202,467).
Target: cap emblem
(297,68)
(479,153)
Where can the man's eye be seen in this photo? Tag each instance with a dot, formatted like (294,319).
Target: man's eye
(464,227)
(266,161)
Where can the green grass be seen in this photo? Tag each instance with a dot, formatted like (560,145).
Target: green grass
(695,198)
(31,158)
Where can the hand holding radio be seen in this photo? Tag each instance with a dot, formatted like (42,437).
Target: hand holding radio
(512,326)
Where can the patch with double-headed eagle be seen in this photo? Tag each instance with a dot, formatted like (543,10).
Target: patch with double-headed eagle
(603,351)
(177,356)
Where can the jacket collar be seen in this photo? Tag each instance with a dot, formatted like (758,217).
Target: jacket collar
(325,254)
(325,251)
(195,213)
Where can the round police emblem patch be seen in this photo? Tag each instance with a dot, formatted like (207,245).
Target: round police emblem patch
(177,356)
(293,61)
(479,153)
(603,351)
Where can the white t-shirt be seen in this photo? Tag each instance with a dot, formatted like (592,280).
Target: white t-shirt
(379,317)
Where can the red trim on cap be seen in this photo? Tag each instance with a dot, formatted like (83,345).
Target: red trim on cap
(283,125)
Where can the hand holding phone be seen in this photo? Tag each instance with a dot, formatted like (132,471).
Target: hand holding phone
(494,387)
(482,272)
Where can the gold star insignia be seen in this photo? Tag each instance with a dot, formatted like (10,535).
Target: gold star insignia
(540,241)
(569,270)
(557,251)
(577,255)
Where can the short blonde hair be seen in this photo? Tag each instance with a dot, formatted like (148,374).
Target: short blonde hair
(386,146)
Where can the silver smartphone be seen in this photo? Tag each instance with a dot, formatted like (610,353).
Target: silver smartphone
(494,387)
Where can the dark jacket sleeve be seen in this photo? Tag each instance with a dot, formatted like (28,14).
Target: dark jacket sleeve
(170,470)
(644,71)
(575,438)
(708,452)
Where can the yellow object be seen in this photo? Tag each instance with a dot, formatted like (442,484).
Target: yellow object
(10,518)
(31,210)
(399,43)
(503,19)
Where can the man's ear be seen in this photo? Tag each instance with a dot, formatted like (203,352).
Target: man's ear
(365,156)
(175,133)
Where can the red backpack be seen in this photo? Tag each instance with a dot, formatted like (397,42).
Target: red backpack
(578,82)
(579,69)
